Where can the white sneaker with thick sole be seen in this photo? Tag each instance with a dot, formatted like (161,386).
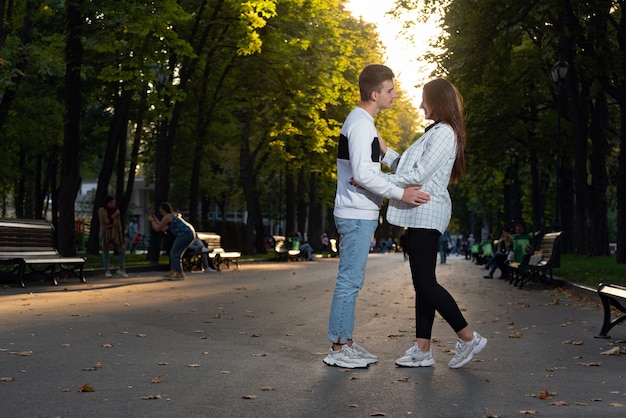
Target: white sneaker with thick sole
(346,357)
(108,274)
(121,273)
(364,354)
(415,357)
(464,351)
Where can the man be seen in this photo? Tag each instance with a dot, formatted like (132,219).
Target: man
(360,189)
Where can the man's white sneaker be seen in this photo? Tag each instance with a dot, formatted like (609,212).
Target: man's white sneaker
(414,357)
(464,351)
(121,273)
(364,354)
(108,274)
(346,357)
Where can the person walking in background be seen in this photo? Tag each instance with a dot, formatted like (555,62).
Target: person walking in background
(183,234)
(357,206)
(131,234)
(444,240)
(433,161)
(112,236)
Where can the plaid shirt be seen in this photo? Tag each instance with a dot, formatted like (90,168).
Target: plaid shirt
(427,162)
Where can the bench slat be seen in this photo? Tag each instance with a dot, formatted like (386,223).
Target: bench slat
(31,242)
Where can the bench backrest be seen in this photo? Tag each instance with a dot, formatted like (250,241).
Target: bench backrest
(211,239)
(26,235)
(551,249)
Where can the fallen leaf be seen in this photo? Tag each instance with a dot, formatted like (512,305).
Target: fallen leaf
(157,379)
(65,345)
(559,403)
(7,379)
(142,335)
(150,397)
(528,412)
(353,405)
(225,372)
(581,403)
(590,364)
(378,414)
(99,365)
(617,404)
(249,396)
(404,379)
(516,334)
(162,363)
(22,353)
(615,351)
(268,388)
(86,388)
(544,394)
(107,345)
(193,365)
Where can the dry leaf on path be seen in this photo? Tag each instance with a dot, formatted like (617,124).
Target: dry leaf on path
(149,397)
(7,379)
(157,379)
(249,396)
(591,364)
(193,365)
(559,403)
(617,404)
(516,334)
(615,351)
(268,388)
(378,414)
(86,388)
(528,412)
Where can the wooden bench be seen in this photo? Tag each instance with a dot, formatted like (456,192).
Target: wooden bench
(538,266)
(609,294)
(217,255)
(27,249)
(285,252)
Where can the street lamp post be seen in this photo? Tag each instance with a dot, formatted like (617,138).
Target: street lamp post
(558,72)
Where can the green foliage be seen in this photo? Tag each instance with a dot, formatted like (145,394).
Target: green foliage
(591,270)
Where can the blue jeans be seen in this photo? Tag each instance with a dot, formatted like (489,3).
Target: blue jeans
(105,255)
(356,235)
(181,242)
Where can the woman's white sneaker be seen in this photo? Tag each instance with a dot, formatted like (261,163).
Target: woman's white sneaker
(415,357)
(464,351)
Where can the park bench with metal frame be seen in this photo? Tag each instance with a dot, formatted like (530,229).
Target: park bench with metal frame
(609,294)
(539,266)
(27,249)
(217,255)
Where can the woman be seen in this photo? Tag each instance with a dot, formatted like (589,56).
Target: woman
(433,161)
(183,234)
(111,235)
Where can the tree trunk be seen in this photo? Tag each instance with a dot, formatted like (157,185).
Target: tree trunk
(117,132)
(70,161)
(599,242)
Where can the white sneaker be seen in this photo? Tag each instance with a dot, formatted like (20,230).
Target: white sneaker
(414,357)
(121,273)
(364,354)
(108,274)
(464,351)
(346,357)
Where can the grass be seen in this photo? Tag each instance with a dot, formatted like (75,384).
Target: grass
(591,271)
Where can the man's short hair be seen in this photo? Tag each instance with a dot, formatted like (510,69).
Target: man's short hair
(372,78)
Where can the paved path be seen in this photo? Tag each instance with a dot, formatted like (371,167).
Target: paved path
(250,343)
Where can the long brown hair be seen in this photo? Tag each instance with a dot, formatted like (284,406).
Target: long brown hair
(446,105)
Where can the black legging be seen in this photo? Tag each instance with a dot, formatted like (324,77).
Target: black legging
(430,295)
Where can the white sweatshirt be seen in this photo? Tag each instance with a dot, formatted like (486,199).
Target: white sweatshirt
(358,158)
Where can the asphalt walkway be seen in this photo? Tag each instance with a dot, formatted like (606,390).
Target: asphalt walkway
(250,343)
